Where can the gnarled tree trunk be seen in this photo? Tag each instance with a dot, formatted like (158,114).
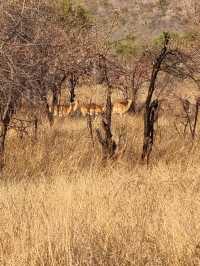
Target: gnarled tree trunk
(73,79)
(108,144)
(151,107)
(4,123)
(3,131)
(106,139)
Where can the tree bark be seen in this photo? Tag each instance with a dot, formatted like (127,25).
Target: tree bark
(72,85)
(151,107)
(108,144)
(4,123)
(195,119)
(134,97)
(3,131)
(150,118)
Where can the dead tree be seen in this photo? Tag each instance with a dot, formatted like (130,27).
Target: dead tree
(6,116)
(26,52)
(196,117)
(108,144)
(151,107)
(173,62)
(106,139)
(152,118)
(73,80)
(58,78)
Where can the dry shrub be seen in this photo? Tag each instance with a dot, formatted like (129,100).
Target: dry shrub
(59,206)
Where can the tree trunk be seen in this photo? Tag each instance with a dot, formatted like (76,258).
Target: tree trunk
(195,119)
(111,146)
(72,85)
(108,144)
(4,123)
(151,107)
(72,94)
(150,116)
(133,104)
(148,120)
(3,131)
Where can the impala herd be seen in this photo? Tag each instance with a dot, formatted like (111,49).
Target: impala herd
(118,107)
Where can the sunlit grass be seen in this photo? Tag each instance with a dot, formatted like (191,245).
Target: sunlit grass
(59,205)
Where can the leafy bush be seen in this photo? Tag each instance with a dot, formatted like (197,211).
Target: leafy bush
(158,40)
(126,46)
(78,11)
(181,37)
(191,36)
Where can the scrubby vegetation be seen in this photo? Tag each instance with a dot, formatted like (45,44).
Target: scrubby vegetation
(60,206)
(99,137)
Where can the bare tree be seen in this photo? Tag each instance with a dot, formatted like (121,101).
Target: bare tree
(26,53)
(170,61)
(106,139)
(150,107)
(79,49)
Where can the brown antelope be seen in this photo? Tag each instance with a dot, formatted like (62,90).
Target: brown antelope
(121,106)
(62,110)
(66,109)
(90,109)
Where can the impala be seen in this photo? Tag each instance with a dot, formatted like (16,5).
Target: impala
(121,106)
(90,109)
(65,109)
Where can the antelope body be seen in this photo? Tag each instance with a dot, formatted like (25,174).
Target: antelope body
(66,109)
(121,107)
(90,109)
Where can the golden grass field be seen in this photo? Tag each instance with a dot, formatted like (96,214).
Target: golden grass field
(60,206)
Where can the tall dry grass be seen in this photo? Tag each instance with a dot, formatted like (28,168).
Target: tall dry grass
(60,206)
